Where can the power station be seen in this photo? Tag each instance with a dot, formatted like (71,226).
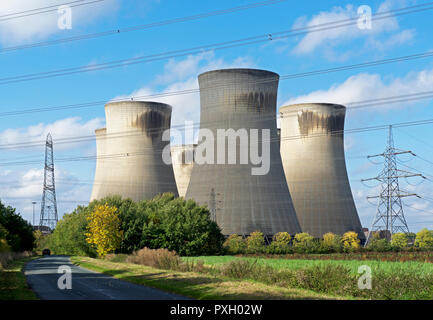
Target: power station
(242,99)
(129,152)
(299,185)
(312,150)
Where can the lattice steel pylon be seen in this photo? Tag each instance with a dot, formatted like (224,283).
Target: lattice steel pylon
(49,216)
(390,217)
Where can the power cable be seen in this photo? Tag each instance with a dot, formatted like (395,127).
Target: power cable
(142,26)
(184,52)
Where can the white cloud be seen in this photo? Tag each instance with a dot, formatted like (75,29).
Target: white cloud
(182,75)
(70,127)
(365,86)
(39,26)
(328,39)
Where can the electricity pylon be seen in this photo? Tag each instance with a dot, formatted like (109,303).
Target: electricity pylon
(390,216)
(49,216)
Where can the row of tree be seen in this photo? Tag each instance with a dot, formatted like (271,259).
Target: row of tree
(284,243)
(16,234)
(120,225)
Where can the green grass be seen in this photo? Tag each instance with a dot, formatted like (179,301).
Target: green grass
(389,267)
(200,286)
(13,284)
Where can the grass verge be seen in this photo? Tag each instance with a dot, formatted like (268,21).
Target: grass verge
(13,284)
(386,267)
(197,285)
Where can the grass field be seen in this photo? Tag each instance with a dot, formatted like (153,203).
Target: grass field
(198,285)
(412,267)
(13,285)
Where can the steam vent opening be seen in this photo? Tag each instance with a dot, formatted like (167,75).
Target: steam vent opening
(129,152)
(312,151)
(242,99)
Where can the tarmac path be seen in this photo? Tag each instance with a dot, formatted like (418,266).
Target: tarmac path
(43,276)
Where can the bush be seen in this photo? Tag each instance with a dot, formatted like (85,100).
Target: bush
(235,244)
(156,258)
(69,237)
(399,240)
(256,242)
(19,233)
(424,239)
(351,241)
(240,269)
(104,230)
(7,257)
(331,243)
(304,243)
(280,243)
(379,245)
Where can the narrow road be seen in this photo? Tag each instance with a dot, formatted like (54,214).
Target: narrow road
(42,276)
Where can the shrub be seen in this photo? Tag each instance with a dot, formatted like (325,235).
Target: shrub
(328,278)
(351,241)
(379,245)
(424,239)
(235,244)
(240,269)
(304,243)
(331,243)
(69,236)
(280,243)
(399,240)
(256,242)
(156,258)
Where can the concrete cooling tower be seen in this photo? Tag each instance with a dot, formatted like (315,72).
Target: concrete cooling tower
(240,99)
(183,160)
(312,150)
(129,152)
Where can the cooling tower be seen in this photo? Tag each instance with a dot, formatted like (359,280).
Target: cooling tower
(312,150)
(242,202)
(183,159)
(129,152)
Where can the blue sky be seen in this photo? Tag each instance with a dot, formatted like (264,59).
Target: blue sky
(392,37)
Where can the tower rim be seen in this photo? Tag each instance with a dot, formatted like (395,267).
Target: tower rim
(294,107)
(240,70)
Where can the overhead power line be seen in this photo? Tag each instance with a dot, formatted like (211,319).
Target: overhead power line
(200,49)
(142,26)
(420,95)
(107,157)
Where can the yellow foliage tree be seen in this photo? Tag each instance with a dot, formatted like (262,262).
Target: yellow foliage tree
(351,241)
(104,229)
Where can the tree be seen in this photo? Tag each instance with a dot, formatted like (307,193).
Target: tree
(351,241)
(69,236)
(424,239)
(104,230)
(331,242)
(4,247)
(304,242)
(235,244)
(256,242)
(399,240)
(19,232)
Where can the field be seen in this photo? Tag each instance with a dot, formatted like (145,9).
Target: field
(388,267)
(237,277)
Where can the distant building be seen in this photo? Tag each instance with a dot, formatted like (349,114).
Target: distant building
(44,229)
